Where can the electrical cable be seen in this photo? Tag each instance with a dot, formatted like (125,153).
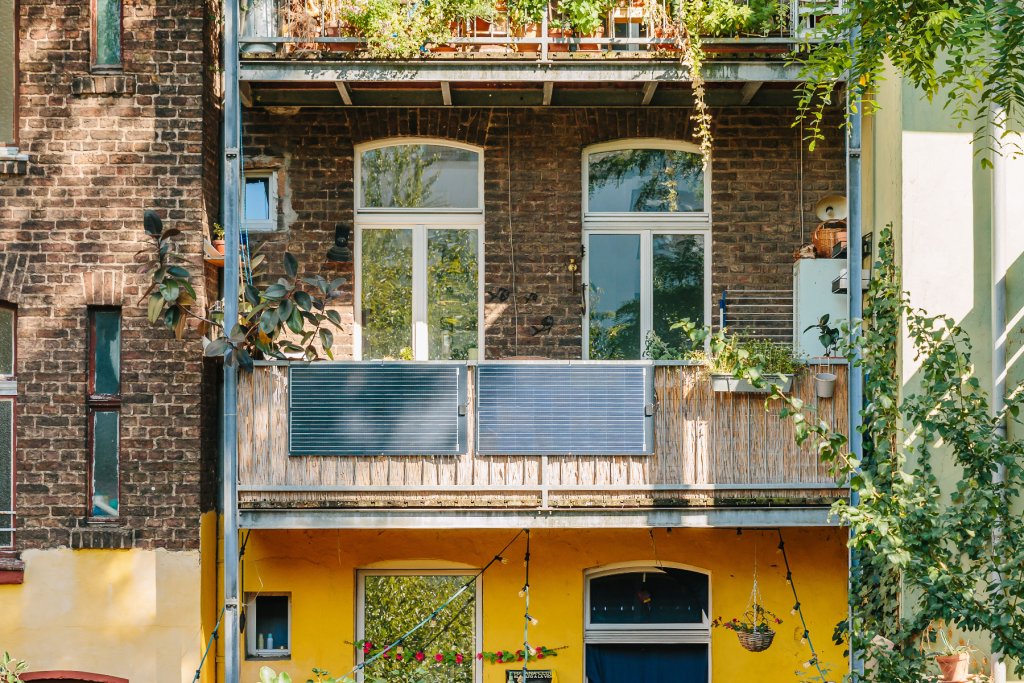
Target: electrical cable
(813,661)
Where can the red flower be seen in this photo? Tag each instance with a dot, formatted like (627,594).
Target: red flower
(540,655)
(386,655)
(480,655)
(458,659)
(499,654)
(398,658)
(438,657)
(420,656)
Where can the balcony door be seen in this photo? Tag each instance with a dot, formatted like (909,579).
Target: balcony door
(419,251)
(647,237)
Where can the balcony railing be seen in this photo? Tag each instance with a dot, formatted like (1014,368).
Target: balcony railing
(308,27)
(708,448)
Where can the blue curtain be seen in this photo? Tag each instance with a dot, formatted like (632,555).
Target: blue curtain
(647,663)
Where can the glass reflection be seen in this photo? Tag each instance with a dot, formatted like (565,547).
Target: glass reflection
(645,180)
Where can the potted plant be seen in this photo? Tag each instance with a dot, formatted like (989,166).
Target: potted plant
(218,237)
(953,659)
(729,353)
(585,17)
(825,382)
(754,628)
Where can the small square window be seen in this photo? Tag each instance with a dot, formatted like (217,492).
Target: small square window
(269,626)
(259,211)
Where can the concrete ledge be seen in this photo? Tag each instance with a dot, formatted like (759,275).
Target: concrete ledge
(94,84)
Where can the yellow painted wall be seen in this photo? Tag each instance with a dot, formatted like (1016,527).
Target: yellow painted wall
(128,613)
(318,568)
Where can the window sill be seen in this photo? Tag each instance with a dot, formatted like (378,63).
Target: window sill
(12,570)
(13,161)
(102,535)
(268,658)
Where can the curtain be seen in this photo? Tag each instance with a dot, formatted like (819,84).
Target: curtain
(647,663)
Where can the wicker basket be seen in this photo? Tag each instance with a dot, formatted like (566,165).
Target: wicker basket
(826,236)
(756,642)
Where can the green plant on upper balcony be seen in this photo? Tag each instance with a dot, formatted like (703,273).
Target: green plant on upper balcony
(396,29)
(524,12)
(585,17)
(756,17)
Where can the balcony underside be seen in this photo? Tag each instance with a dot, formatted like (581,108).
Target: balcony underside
(622,82)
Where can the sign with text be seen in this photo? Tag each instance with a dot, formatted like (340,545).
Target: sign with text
(532,676)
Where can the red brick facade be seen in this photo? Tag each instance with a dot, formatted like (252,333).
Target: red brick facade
(534,156)
(102,149)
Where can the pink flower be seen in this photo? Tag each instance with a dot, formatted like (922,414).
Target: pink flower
(398,658)
(438,657)
(480,655)
(367,646)
(458,658)
(540,655)
(499,654)
(420,656)
(386,655)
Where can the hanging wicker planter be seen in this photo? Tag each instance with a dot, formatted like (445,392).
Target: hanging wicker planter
(758,641)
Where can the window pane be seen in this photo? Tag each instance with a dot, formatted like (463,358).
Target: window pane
(6,468)
(394,604)
(420,176)
(614,267)
(668,596)
(387,293)
(257,199)
(678,290)
(106,352)
(645,180)
(108,32)
(6,341)
(105,463)
(272,622)
(452,293)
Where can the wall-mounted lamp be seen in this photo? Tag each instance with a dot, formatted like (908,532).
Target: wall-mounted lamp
(340,252)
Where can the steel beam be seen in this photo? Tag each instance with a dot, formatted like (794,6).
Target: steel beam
(701,518)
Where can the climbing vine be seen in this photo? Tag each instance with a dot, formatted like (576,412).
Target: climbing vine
(923,547)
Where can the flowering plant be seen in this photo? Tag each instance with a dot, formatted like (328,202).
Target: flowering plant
(400,653)
(505,656)
(756,619)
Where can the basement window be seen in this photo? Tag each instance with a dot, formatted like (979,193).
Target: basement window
(269,626)
(259,211)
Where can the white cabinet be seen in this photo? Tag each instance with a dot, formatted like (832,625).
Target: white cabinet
(813,298)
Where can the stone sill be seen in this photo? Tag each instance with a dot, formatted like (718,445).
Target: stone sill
(103,85)
(13,162)
(12,570)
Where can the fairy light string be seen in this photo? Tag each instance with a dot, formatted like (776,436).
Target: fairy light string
(798,610)
(527,619)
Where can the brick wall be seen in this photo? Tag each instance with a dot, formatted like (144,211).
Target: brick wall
(534,155)
(102,149)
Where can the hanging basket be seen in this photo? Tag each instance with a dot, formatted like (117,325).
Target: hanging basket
(756,642)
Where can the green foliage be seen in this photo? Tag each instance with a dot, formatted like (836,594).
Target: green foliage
(268,675)
(585,17)
(924,550)
(509,656)
(288,317)
(523,12)
(728,18)
(968,55)
(827,335)
(755,619)
(398,29)
(733,354)
(11,669)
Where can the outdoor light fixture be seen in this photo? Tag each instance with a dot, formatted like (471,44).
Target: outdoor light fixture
(340,252)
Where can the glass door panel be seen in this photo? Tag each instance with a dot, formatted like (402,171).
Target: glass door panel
(452,293)
(614,265)
(387,293)
(678,285)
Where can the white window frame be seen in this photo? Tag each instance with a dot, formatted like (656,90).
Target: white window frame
(646,224)
(644,634)
(362,148)
(419,221)
(478,635)
(270,224)
(695,218)
(252,632)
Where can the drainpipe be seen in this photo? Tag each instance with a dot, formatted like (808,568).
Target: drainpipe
(231,170)
(997,127)
(855,301)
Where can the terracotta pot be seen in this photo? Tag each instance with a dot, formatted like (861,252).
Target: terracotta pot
(599,33)
(219,246)
(954,667)
(558,33)
(337,30)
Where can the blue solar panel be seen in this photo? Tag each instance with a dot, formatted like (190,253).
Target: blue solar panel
(377,409)
(563,409)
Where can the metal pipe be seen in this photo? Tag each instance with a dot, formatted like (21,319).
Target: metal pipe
(855,301)
(231,172)
(997,123)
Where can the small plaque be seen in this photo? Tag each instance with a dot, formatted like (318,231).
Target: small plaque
(532,676)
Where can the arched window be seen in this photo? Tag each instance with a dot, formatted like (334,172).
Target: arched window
(649,623)
(419,250)
(647,230)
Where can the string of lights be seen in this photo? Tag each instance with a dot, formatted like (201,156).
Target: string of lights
(798,610)
(527,618)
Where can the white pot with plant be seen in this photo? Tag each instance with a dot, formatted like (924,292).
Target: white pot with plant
(825,382)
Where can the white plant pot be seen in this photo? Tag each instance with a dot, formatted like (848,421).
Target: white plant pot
(259,20)
(728,383)
(824,384)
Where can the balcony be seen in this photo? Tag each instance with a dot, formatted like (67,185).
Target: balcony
(312,53)
(707,449)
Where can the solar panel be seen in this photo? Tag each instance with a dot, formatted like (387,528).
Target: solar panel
(564,409)
(360,408)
